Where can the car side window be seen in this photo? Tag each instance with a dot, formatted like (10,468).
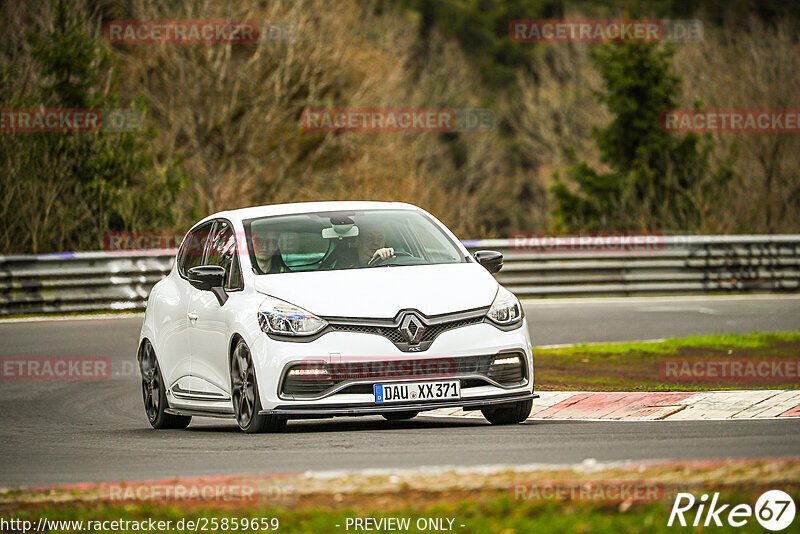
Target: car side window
(222,252)
(191,251)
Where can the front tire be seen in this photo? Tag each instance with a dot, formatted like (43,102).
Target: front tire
(154,393)
(511,414)
(246,401)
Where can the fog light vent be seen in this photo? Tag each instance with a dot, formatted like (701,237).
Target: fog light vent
(507,369)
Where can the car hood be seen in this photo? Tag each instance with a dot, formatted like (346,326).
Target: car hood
(380,292)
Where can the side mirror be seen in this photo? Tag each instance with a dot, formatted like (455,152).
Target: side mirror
(492,260)
(209,278)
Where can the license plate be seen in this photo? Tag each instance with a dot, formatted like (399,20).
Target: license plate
(417,391)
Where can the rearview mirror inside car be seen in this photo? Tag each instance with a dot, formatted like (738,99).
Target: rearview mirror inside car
(339,231)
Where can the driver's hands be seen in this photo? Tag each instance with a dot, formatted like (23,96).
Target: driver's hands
(382,253)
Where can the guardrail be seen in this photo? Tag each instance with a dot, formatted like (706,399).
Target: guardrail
(673,265)
(105,281)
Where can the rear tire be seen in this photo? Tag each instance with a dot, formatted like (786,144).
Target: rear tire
(400,416)
(246,401)
(154,393)
(511,414)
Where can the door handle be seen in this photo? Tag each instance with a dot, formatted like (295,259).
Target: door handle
(192,316)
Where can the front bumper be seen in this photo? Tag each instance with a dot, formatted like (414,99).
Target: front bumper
(376,408)
(272,357)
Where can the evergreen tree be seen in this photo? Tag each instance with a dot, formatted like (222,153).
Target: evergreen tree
(657,180)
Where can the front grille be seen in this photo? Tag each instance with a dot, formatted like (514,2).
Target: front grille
(357,372)
(436,329)
(393,333)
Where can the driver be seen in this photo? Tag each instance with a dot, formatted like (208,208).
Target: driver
(268,255)
(370,245)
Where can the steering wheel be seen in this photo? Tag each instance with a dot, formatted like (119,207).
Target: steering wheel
(380,261)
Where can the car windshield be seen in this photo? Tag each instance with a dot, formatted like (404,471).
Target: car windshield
(347,240)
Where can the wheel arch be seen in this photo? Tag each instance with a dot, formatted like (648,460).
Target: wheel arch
(235,338)
(139,350)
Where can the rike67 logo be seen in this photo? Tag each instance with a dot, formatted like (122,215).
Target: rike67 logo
(774,510)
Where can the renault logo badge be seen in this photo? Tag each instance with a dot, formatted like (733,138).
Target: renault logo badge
(412,328)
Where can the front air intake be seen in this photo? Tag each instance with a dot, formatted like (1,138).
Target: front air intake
(507,369)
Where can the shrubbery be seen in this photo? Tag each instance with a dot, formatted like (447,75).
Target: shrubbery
(66,190)
(223,128)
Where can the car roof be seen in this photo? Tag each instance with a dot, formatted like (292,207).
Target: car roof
(305,207)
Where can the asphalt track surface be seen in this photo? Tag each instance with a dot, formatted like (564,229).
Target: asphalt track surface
(55,432)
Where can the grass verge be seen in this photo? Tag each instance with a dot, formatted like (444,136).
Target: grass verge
(640,366)
(467,501)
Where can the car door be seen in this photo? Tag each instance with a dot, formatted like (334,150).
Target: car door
(209,333)
(173,304)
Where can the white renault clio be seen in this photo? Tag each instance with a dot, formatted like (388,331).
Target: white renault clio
(331,309)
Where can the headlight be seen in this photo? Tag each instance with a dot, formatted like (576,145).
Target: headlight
(279,317)
(506,309)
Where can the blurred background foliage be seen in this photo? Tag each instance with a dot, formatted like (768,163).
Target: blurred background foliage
(222,126)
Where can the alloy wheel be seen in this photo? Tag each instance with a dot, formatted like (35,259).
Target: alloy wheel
(151,382)
(243,382)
